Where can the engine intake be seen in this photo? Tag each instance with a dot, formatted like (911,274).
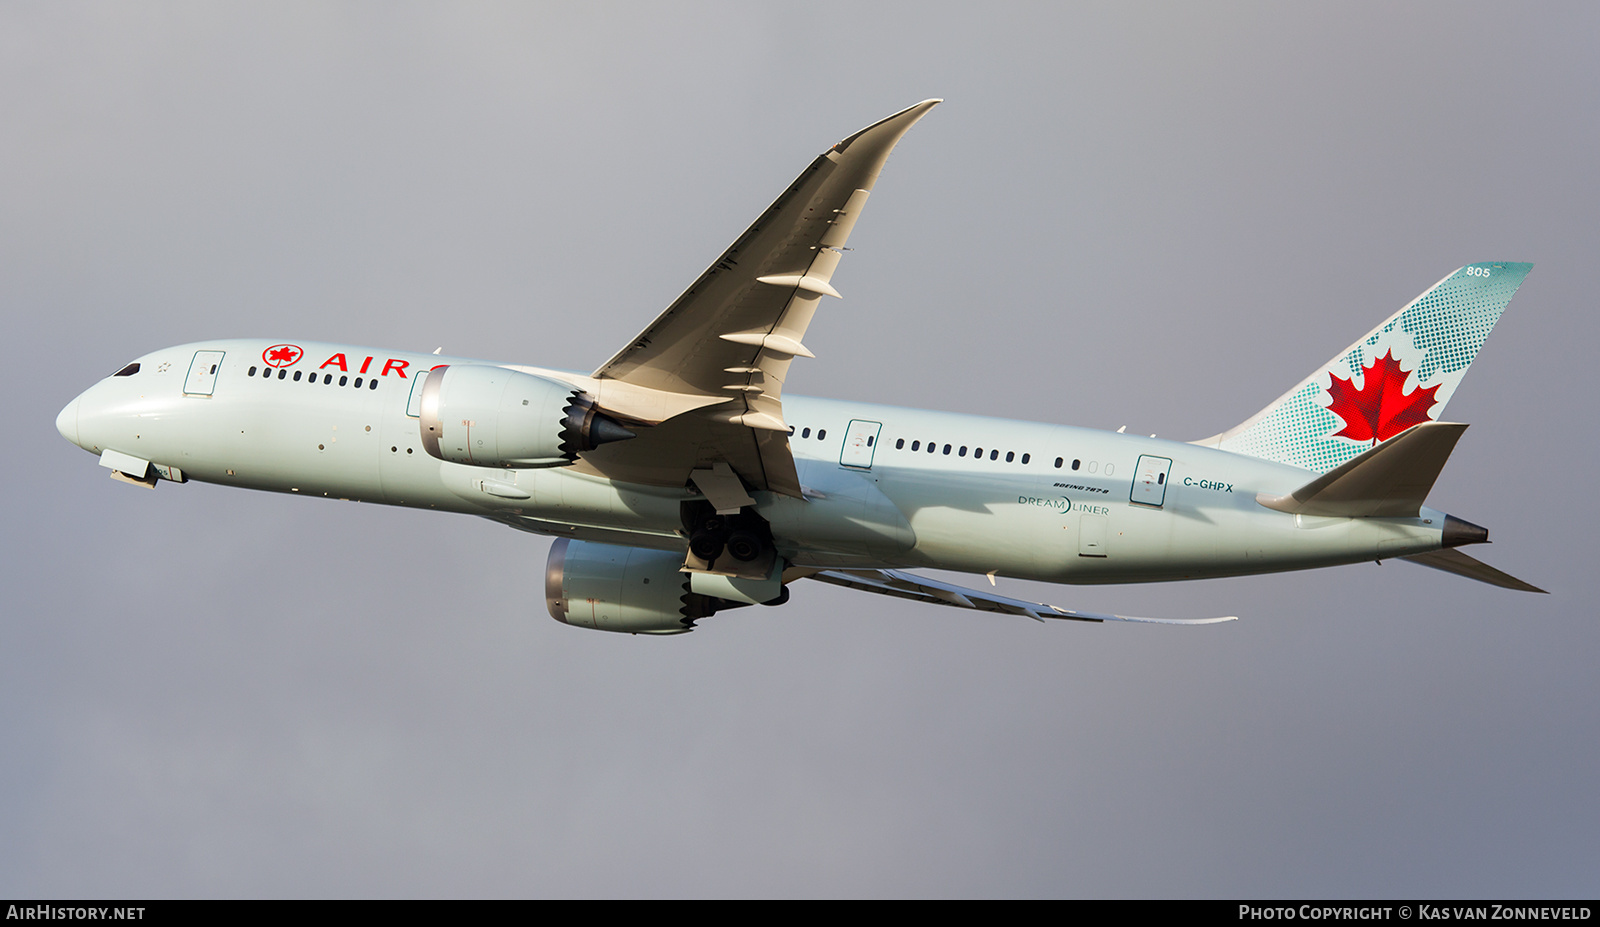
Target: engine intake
(494,417)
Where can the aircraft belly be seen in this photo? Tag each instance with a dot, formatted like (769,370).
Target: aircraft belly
(975,526)
(1226,541)
(845,517)
(976,541)
(562,502)
(1058,534)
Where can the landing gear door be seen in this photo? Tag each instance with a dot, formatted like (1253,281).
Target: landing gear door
(859,439)
(1150,481)
(202,379)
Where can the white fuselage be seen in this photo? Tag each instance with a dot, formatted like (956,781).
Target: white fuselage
(930,489)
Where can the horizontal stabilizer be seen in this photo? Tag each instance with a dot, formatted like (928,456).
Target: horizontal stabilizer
(1390,480)
(921,589)
(1454,561)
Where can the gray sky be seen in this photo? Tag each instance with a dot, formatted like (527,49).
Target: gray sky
(1155,215)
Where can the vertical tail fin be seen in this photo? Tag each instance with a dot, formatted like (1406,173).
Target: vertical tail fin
(1401,374)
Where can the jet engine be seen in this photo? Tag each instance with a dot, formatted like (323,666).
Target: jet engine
(611,588)
(493,417)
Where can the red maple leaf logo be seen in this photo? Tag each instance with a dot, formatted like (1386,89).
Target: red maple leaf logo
(1380,409)
(281,355)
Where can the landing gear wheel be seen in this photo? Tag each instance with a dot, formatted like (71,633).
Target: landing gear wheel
(706,546)
(744,546)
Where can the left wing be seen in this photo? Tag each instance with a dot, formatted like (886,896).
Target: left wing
(920,589)
(730,337)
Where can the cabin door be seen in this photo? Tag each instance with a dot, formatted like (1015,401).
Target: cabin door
(202,379)
(1150,481)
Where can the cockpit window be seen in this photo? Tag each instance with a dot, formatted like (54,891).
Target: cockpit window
(128,371)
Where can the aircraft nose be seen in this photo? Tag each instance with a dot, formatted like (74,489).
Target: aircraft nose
(67,421)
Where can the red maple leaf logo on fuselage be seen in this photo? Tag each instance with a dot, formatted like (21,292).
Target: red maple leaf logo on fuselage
(1380,409)
(281,355)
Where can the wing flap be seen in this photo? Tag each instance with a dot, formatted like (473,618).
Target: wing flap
(904,585)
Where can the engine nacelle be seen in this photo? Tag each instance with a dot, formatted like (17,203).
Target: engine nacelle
(493,417)
(611,588)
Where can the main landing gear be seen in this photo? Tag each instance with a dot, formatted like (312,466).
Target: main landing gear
(736,548)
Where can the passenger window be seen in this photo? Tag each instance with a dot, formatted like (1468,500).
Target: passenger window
(822,433)
(1025,459)
(899,443)
(251,372)
(1010,456)
(947,450)
(916,445)
(343,380)
(282,374)
(358,383)
(962,452)
(297,376)
(805,433)
(1058,463)
(1075,464)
